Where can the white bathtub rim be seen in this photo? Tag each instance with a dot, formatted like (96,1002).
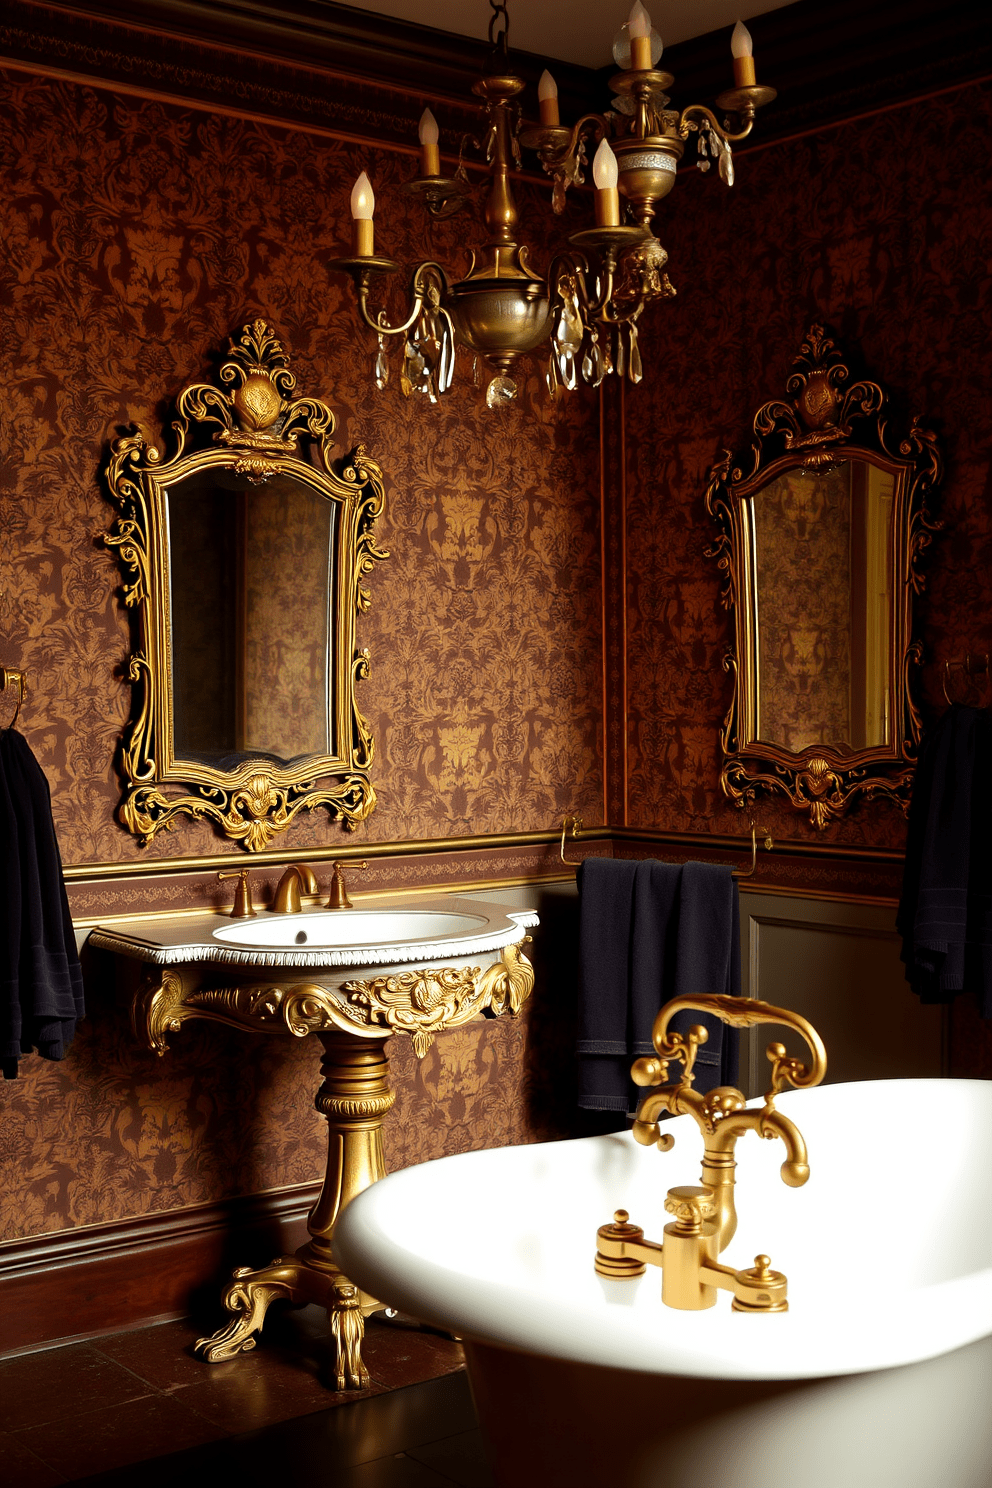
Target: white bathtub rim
(878,1331)
(948,1316)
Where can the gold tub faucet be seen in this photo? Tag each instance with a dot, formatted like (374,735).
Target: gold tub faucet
(297,878)
(705,1216)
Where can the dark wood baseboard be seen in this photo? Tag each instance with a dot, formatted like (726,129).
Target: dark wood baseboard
(81,1283)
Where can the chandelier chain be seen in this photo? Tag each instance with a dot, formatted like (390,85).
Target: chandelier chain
(502,38)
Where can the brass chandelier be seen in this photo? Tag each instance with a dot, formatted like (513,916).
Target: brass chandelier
(588,304)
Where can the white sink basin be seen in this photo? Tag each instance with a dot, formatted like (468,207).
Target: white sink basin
(349,927)
(393,934)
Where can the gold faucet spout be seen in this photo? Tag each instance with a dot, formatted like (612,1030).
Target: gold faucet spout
(297,878)
(721,1114)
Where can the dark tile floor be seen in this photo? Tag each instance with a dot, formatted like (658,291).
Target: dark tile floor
(137,1408)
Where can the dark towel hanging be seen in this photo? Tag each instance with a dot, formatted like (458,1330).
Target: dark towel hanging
(41,985)
(650,931)
(709,960)
(945,911)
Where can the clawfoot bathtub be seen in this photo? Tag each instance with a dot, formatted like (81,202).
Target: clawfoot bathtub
(878,1376)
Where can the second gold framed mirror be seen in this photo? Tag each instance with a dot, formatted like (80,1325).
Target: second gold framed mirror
(822,528)
(244,553)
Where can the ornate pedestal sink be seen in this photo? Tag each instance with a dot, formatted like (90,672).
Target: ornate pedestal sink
(353,977)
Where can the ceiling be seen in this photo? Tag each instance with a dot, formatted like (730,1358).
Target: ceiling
(579,31)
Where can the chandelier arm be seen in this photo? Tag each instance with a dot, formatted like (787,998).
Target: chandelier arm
(418,289)
(577,128)
(575,264)
(601,310)
(724,134)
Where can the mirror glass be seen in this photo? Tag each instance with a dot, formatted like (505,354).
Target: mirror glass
(823,576)
(251,598)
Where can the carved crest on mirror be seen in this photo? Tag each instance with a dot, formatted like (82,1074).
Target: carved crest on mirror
(244,549)
(822,527)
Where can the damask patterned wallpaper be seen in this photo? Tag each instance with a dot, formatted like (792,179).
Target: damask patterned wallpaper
(873,228)
(139,235)
(803,561)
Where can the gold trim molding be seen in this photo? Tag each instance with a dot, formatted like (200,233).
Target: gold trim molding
(245,429)
(824,419)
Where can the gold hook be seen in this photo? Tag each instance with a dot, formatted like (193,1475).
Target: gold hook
(768,844)
(576,822)
(7,677)
(973,664)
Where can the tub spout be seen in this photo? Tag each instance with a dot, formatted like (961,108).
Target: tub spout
(706,1217)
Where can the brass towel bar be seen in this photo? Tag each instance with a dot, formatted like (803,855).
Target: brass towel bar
(573,824)
(10,678)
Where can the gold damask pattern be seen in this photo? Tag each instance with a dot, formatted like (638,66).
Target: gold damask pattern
(828,227)
(170,227)
(802,535)
(114,1131)
(120,265)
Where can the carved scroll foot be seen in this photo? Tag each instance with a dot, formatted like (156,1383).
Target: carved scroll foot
(348,1330)
(248,1297)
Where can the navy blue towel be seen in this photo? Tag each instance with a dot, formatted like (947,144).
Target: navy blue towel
(945,911)
(41,985)
(650,931)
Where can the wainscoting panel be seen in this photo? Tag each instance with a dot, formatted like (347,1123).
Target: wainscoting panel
(838,965)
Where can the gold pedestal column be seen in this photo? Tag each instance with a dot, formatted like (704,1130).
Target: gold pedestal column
(353,1097)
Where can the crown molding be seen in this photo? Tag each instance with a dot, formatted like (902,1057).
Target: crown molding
(832,65)
(186,45)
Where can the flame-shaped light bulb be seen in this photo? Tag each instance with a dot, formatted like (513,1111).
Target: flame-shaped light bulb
(605,176)
(740,41)
(362,199)
(605,173)
(639,31)
(362,207)
(639,22)
(742,52)
(547,98)
(430,158)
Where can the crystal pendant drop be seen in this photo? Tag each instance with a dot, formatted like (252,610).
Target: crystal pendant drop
(594,363)
(501,390)
(381,366)
(635,370)
(726,166)
(446,362)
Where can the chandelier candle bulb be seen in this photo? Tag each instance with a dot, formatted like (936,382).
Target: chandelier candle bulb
(430,156)
(740,46)
(605,175)
(639,31)
(547,98)
(362,207)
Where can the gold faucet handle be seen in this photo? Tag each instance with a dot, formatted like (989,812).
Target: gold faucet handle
(692,1206)
(338,898)
(243,907)
(610,1239)
(760,1289)
(744,1012)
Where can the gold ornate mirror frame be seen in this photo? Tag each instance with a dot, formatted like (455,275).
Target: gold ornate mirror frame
(237,435)
(824,420)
